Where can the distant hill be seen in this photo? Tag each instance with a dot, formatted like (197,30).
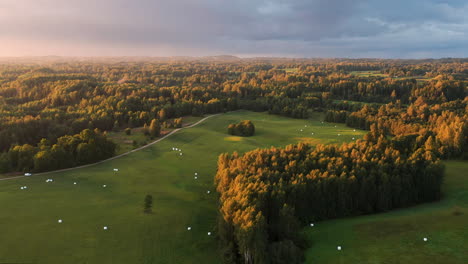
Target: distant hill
(221,57)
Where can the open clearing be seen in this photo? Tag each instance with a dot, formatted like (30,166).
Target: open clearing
(397,236)
(31,232)
(29,220)
(137,138)
(369,74)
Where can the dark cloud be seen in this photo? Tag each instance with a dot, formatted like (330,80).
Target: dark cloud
(301,28)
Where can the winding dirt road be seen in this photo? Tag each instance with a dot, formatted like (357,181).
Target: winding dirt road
(115,157)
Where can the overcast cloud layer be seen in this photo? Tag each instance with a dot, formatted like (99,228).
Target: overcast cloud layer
(294,28)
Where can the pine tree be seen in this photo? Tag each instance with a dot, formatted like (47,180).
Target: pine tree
(148,204)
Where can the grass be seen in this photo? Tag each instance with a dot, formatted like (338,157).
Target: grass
(125,143)
(419,79)
(368,74)
(234,138)
(357,102)
(28,222)
(397,236)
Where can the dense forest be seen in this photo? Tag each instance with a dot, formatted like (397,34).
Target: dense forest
(50,98)
(267,195)
(86,147)
(56,112)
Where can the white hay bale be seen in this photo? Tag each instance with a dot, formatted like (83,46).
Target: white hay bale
(105,228)
(425,239)
(209,233)
(189,228)
(338,247)
(60,221)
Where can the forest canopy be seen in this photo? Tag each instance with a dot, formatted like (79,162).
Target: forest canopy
(267,195)
(414,100)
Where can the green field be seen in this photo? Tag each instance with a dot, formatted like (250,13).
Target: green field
(30,232)
(125,142)
(368,74)
(357,102)
(291,70)
(397,236)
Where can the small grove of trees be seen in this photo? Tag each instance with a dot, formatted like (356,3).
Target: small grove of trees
(86,147)
(155,127)
(244,129)
(266,195)
(176,123)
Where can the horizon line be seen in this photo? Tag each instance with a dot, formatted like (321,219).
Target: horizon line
(239,57)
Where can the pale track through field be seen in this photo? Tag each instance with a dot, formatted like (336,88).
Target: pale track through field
(115,157)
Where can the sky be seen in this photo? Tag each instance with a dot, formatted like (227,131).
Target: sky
(246,28)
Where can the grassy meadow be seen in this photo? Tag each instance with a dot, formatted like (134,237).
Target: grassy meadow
(30,232)
(397,236)
(137,138)
(29,228)
(369,74)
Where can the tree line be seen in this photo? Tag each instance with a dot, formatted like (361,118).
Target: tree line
(268,195)
(444,125)
(86,147)
(50,99)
